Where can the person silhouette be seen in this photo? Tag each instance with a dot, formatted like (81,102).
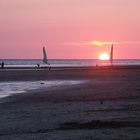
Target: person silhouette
(2,65)
(38,65)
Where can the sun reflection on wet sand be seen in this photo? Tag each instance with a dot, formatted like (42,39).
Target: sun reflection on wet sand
(9,88)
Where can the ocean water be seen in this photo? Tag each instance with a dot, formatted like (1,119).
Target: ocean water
(71,62)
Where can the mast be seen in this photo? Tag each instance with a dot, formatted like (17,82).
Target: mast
(44,56)
(111,55)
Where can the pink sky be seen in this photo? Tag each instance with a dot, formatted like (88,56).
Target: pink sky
(66,27)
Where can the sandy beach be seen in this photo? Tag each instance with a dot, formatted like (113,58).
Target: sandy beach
(106,106)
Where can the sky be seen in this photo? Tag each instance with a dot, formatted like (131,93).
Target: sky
(70,29)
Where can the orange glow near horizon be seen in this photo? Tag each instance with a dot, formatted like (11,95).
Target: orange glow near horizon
(104,56)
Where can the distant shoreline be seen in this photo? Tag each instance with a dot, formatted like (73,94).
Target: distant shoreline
(53,67)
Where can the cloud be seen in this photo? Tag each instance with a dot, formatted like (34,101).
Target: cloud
(108,43)
(92,43)
(102,43)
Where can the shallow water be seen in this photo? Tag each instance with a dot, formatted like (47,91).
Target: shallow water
(9,88)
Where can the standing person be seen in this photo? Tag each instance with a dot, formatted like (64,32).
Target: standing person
(2,65)
(38,65)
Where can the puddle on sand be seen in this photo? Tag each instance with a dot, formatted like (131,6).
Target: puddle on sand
(9,88)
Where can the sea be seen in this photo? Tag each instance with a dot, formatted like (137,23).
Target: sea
(69,62)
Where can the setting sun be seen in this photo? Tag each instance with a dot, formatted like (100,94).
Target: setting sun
(103,56)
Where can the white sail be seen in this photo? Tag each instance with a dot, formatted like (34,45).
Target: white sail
(111,54)
(45,56)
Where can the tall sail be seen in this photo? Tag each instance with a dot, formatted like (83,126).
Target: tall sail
(111,54)
(45,56)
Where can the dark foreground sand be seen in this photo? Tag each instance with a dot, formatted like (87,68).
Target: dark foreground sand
(107,106)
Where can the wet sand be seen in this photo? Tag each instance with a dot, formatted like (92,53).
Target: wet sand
(107,106)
